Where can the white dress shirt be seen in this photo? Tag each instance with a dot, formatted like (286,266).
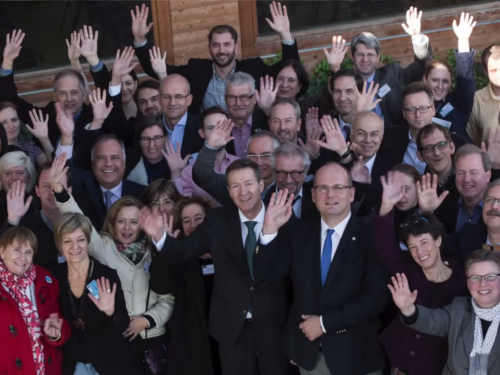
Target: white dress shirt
(369,164)
(411,155)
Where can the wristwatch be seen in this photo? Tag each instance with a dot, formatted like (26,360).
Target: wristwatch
(346,154)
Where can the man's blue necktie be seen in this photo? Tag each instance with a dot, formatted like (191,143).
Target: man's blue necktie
(326,256)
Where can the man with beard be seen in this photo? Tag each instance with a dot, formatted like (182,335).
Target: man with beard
(208,76)
(486,110)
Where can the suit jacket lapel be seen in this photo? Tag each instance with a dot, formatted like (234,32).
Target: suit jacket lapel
(237,253)
(468,329)
(96,198)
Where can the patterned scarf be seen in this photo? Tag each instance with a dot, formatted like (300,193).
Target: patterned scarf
(16,286)
(482,348)
(134,251)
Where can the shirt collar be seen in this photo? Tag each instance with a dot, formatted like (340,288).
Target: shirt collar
(410,138)
(297,195)
(77,116)
(371,78)
(342,123)
(492,94)
(339,228)
(217,76)
(369,163)
(116,190)
(461,203)
(258,219)
(182,122)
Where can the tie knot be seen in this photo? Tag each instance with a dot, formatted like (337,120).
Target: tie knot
(329,232)
(250,225)
(108,194)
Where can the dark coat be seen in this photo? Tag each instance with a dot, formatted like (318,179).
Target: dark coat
(17,356)
(471,237)
(308,208)
(103,340)
(354,295)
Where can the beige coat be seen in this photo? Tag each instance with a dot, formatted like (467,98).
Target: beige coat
(134,278)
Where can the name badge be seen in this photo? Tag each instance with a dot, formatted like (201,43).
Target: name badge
(146,266)
(383,91)
(446,109)
(441,122)
(61,259)
(208,269)
(402,246)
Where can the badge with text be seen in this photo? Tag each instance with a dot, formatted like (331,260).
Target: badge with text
(446,109)
(92,288)
(146,266)
(441,122)
(61,259)
(208,269)
(383,91)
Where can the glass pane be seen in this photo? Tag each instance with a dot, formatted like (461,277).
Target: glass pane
(48,24)
(313,14)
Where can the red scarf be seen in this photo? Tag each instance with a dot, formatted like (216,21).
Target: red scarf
(16,286)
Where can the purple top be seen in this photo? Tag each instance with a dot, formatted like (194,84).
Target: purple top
(241,137)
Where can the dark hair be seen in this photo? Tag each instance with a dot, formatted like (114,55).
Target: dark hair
(418,224)
(301,73)
(148,84)
(158,188)
(427,130)
(243,164)
(482,256)
(408,170)
(5,105)
(347,73)
(416,88)
(21,235)
(210,111)
(145,123)
(222,29)
(485,56)
(47,166)
(186,201)
(433,64)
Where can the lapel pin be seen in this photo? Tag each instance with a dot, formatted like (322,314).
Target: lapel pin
(48,279)
(354,238)
(257,249)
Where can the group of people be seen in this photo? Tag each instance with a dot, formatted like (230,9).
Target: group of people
(215,219)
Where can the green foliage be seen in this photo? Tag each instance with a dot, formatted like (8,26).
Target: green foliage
(274,60)
(479,76)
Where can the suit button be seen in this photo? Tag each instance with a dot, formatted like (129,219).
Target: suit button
(244,312)
(13,330)
(418,336)
(4,299)
(50,360)
(412,353)
(252,289)
(19,364)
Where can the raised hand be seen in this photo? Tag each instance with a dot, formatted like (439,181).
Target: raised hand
(413,24)
(57,173)
(493,148)
(106,301)
(278,212)
(40,127)
(52,326)
(267,94)
(154,224)
(65,123)
(16,206)
(463,31)
(428,200)
(174,159)
(360,172)
(313,134)
(336,54)
(88,47)
(137,324)
(393,191)
(123,65)
(221,135)
(335,140)
(101,111)
(158,62)
(74,46)
(140,27)
(280,22)
(403,298)
(366,99)
(12,48)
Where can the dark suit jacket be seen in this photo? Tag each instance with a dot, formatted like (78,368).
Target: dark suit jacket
(199,72)
(308,208)
(107,349)
(259,122)
(354,295)
(234,291)
(471,237)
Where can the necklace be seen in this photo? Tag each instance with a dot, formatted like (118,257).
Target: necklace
(78,316)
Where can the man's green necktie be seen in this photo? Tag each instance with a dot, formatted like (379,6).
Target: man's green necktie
(250,244)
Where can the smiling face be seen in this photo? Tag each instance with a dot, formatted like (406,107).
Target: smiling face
(174,98)
(491,209)
(262,146)
(439,81)
(11,123)
(127,226)
(240,110)
(471,178)
(150,148)
(284,123)
(367,133)
(192,215)
(74,246)
(12,175)
(128,88)
(418,119)
(45,193)
(223,49)
(365,60)
(245,190)
(409,199)
(17,257)
(425,250)
(70,94)
(109,163)
(292,163)
(148,101)
(485,293)
(289,83)
(438,161)
(345,95)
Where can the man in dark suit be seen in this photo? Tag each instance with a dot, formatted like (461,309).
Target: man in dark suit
(392,78)
(208,76)
(247,315)
(339,285)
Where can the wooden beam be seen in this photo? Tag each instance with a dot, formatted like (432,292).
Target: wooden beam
(162,26)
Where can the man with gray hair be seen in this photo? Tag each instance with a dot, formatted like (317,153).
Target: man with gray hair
(391,78)
(241,103)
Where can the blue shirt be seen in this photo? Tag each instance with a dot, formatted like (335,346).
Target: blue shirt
(464,218)
(177,135)
(377,109)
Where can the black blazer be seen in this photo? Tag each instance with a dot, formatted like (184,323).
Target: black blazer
(199,72)
(308,208)
(471,237)
(108,350)
(234,291)
(354,295)
(259,122)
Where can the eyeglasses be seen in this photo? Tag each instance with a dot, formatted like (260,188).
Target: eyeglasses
(176,97)
(488,278)
(414,221)
(243,98)
(429,149)
(421,109)
(254,158)
(323,189)
(165,202)
(491,200)
(146,140)
(284,174)
(209,128)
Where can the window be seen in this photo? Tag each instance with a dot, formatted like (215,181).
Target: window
(313,14)
(48,24)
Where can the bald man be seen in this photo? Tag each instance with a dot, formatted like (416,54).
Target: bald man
(182,127)
(367,132)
